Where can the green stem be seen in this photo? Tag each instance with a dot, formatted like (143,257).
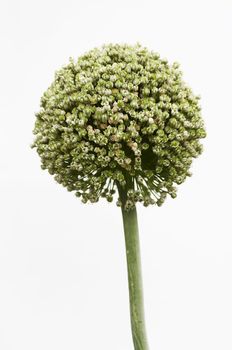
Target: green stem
(131,233)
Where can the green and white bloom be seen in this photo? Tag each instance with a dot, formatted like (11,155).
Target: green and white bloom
(119,112)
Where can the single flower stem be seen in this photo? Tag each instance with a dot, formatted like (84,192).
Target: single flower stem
(131,233)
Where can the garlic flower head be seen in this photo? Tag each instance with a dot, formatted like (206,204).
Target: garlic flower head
(120,116)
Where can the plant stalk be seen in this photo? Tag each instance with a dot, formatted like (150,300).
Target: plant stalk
(131,234)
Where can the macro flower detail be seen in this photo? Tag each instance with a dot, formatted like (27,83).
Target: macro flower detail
(119,115)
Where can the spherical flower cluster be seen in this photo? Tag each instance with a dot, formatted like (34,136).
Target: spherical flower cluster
(119,117)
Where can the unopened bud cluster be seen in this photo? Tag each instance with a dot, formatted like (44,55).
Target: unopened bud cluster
(120,112)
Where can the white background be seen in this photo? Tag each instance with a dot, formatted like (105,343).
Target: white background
(63,282)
